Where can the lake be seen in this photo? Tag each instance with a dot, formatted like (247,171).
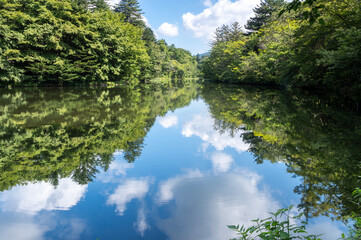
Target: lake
(172,161)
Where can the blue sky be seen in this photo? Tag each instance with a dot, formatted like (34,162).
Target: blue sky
(190,24)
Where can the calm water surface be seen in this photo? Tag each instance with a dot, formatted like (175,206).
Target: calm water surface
(167,162)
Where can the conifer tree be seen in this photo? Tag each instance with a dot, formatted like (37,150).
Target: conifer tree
(91,4)
(263,13)
(131,11)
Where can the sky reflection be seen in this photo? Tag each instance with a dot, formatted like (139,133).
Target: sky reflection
(188,194)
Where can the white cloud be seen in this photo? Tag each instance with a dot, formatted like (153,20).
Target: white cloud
(207,3)
(17,226)
(202,126)
(166,188)
(329,230)
(168,121)
(118,152)
(21,229)
(125,193)
(71,229)
(116,168)
(167,29)
(204,24)
(141,224)
(221,162)
(35,197)
(205,206)
(145,20)
(112,2)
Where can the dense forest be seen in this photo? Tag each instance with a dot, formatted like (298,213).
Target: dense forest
(313,44)
(58,42)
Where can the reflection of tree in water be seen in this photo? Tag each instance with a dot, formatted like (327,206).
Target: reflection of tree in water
(133,150)
(49,134)
(318,138)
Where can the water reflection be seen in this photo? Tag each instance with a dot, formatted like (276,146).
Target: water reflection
(221,162)
(203,206)
(92,163)
(203,126)
(35,197)
(126,192)
(168,121)
(50,134)
(319,139)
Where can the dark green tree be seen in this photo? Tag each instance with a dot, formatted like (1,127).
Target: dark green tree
(263,13)
(148,35)
(131,11)
(99,5)
(91,4)
(228,33)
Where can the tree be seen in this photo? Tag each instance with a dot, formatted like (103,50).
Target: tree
(227,33)
(91,4)
(131,11)
(56,42)
(99,5)
(263,13)
(311,14)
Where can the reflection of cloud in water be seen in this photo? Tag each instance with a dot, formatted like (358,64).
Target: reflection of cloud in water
(165,193)
(70,229)
(168,121)
(141,224)
(29,227)
(221,162)
(116,168)
(329,230)
(21,229)
(125,193)
(36,197)
(202,126)
(205,206)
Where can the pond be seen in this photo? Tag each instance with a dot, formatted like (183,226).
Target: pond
(176,161)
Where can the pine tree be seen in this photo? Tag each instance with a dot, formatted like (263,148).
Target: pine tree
(263,13)
(91,4)
(226,33)
(99,4)
(131,11)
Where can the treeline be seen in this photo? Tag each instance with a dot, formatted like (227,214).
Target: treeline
(57,42)
(313,44)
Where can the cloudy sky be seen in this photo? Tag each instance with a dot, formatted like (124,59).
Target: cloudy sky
(190,24)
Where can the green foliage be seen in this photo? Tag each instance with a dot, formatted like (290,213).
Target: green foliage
(171,62)
(290,52)
(131,11)
(355,230)
(279,226)
(50,42)
(93,5)
(263,13)
(226,55)
(58,42)
(309,9)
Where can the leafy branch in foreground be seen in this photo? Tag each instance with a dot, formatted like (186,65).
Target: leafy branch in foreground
(355,230)
(278,226)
